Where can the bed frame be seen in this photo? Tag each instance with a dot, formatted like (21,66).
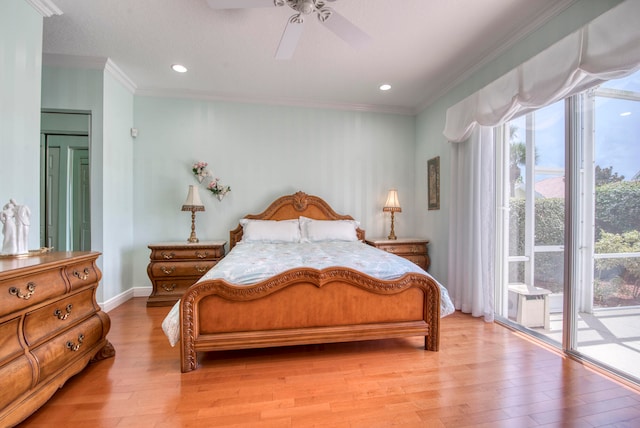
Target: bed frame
(305,306)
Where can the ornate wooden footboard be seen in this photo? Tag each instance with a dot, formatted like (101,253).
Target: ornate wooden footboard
(305,306)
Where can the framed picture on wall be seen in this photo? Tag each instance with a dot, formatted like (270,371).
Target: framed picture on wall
(433,183)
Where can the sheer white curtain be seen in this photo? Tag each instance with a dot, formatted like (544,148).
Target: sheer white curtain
(472,224)
(606,48)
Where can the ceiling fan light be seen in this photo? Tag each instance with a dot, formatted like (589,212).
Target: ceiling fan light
(306,7)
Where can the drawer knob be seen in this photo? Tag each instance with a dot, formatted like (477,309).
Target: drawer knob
(202,255)
(168,256)
(82,276)
(31,288)
(169,287)
(201,269)
(63,316)
(167,270)
(76,346)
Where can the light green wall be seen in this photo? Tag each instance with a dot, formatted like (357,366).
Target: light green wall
(20,68)
(429,125)
(117,189)
(111,151)
(350,159)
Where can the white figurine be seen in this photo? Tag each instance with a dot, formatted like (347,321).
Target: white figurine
(15,221)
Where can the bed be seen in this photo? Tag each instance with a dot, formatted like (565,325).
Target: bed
(314,289)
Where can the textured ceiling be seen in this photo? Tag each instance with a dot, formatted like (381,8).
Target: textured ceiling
(420,47)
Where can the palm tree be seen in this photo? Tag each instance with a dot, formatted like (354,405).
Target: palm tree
(517,157)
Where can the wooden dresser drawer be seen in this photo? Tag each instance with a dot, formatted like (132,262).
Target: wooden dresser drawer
(16,379)
(49,320)
(24,291)
(10,346)
(178,269)
(62,350)
(82,274)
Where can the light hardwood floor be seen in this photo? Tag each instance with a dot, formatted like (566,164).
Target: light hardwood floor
(484,375)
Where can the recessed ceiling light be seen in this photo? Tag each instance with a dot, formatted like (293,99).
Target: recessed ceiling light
(626,113)
(179,68)
(385,87)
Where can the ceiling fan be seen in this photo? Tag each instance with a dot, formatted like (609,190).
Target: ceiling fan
(331,19)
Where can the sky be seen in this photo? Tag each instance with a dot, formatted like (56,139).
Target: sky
(617,131)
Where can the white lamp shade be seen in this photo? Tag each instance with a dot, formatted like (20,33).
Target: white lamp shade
(392,204)
(193,200)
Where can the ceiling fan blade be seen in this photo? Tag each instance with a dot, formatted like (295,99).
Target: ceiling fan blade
(238,4)
(290,38)
(347,30)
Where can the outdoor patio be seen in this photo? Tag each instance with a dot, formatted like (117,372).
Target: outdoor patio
(609,335)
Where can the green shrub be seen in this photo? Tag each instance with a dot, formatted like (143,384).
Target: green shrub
(624,271)
(618,207)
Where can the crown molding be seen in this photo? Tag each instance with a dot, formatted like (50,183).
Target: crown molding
(90,63)
(46,8)
(120,76)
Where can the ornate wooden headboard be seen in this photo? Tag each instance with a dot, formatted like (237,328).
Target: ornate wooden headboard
(291,207)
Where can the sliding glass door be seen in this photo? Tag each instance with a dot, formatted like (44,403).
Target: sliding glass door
(579,245)
(608,308)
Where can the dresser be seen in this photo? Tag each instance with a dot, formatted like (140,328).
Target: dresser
(50,327)
(414,249)
(174,266)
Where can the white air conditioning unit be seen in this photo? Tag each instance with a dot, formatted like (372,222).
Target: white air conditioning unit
(529,306)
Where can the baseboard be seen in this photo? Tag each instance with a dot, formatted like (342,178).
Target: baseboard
(116,301)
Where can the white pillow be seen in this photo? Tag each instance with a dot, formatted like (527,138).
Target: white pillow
(270,231)
(328,230)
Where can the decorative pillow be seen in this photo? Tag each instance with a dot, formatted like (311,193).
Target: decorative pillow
(328,230)
(271,231)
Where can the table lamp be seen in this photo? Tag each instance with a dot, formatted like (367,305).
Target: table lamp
(193,204)
(393,206)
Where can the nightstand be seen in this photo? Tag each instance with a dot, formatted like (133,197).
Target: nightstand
(175,266)
(413,249)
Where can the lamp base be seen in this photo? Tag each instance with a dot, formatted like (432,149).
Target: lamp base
(392,235)
(192,238)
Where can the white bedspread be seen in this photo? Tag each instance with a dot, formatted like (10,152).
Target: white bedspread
(249,263)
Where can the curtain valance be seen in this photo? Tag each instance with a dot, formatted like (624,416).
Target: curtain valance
(607,48)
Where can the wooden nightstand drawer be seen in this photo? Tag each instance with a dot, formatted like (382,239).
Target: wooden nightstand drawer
(174,266)
(182,268)
(409,248)
(173,287)
(197,253)
(419,260)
